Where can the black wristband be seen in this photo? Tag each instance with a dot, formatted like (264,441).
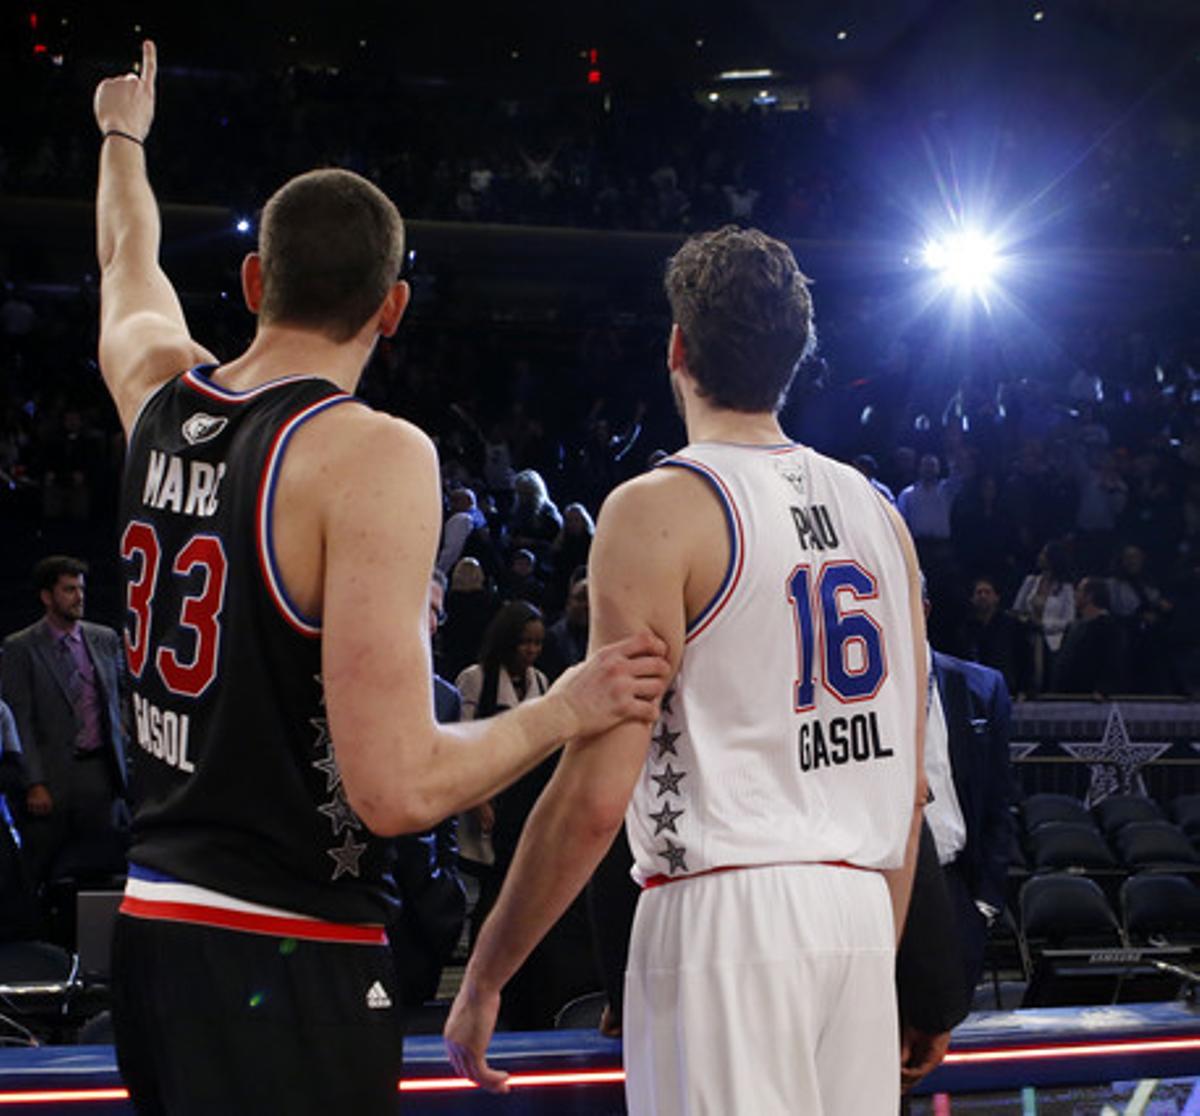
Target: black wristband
(123,135)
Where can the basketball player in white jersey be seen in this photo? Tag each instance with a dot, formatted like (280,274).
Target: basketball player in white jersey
(774,808)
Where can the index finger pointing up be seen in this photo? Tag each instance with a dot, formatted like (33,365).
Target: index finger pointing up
(149,62)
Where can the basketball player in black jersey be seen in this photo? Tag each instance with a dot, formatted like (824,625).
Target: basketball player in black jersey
(277,538)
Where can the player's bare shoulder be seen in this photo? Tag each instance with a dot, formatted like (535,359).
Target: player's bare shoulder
(660,504)
(352,451)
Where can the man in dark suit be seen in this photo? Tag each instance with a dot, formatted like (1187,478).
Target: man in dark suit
(62,678)
(969,719)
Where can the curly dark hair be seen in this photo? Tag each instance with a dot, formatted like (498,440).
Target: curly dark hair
(47,572)
(745,313)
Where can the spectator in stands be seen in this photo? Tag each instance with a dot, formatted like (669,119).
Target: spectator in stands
(566,640)
(1045,603)
(925,505)
(522,583)
(993,637)
(570,551)
(869,467)
(465,517)
(981,527)
(535,521)
(470,606)
(1132,593)
(1092,659)
(1102,498)
(72,461)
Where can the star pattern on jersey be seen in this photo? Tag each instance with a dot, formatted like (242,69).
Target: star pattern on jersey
(667,698)
(665,819)
(319,679)
(1116,761)
(346,856)
(340,813)
(668,780)
(664,739)
(321,725)
(674,856)
(328,766)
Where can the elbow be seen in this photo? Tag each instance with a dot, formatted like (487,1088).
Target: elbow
(391,815)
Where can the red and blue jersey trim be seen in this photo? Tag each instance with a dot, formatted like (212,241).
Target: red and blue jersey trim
(305,625)
(157,896)
(737,547)
(198,380)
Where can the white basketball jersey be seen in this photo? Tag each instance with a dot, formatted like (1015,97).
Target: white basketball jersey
(789,733)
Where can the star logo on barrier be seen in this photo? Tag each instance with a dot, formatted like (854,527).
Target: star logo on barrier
(321,724)
(328,765)
(665,739)
(346,857)
(668,781)
(674,855)
(665,819)
(1019,752)
(340,814)
(1116,761)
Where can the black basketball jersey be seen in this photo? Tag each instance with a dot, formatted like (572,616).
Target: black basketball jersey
(234,779)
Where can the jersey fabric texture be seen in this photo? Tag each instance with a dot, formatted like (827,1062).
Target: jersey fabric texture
(234,777)
(788,734)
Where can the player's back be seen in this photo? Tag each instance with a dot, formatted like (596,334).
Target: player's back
(235,783)
(789,734)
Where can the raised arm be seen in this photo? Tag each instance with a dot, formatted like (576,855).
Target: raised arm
(144,339)
(632,587)
(402,771)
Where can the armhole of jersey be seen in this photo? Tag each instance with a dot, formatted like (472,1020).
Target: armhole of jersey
(737,548)
(264,508)
(151,395)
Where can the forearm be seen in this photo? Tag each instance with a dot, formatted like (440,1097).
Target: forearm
(410,784)
(558,851)
(127,221)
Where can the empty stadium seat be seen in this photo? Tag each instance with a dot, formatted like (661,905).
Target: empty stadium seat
(1056,846)
(1161,909)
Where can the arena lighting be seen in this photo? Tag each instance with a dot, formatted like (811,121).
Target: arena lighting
(967,261)
(744,75)
(243,225)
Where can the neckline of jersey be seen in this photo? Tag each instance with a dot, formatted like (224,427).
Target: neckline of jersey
(752,445)
(203,373)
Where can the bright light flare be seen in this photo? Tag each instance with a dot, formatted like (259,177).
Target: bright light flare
(966,261)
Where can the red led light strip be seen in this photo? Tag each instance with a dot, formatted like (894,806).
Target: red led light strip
(1071,1050)
(517,1080)
(616,1076)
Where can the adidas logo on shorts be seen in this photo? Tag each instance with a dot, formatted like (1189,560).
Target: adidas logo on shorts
(377,996)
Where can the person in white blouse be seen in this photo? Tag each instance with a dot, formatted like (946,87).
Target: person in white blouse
(1046,604)
(503,677)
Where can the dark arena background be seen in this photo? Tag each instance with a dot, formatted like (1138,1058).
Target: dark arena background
(998,203)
